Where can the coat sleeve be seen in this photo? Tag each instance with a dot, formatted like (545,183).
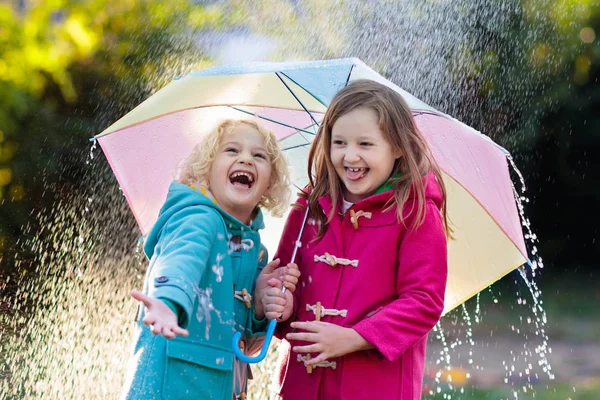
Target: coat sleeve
(421,285)
(181,256)
(285,250)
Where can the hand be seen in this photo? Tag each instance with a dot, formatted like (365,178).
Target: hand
(329,340)
(277,304)
(289,275)
(159,317)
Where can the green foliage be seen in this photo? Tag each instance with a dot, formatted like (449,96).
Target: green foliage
(68,69)
(533,79)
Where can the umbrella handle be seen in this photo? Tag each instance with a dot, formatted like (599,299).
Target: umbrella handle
(272,323)
(263,351)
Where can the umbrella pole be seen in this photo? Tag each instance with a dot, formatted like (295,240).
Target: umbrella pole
(272,323)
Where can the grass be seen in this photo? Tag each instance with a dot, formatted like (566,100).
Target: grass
(569,300)
(556,391)
(570,304)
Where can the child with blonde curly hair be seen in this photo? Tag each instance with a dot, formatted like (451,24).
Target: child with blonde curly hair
(206,261)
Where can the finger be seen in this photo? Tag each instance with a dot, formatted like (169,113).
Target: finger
(290,277)
(273,314)
(278,300)
(275,292)
(303,336)
(290,286)
(274,309)
(179,331)
(139,296)
(310,348)
(157,328)
(292,272)
(168,332)
(314,361)
(270,267)
(275,283)
(149,320)
(310,326)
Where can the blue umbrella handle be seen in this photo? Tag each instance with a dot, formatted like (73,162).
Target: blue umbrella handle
(235,343)
(263,351)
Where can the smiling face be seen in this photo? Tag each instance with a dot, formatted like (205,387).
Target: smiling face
(241,171)
(363,159)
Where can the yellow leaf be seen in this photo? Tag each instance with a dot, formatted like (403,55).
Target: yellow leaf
(5,176)
(84,38)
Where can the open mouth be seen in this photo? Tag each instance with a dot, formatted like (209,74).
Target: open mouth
(242,179)
(355,174)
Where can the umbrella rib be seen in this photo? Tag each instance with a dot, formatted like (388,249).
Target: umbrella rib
(271,120)
(297,99)
(295,147)
(350,74)
(307,91)
(304,137)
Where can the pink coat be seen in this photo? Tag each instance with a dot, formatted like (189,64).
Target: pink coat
(390,289)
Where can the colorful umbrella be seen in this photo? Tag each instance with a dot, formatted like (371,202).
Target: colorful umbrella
(146,145)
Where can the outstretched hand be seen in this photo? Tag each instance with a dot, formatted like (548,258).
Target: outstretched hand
(159,317)
(329,340)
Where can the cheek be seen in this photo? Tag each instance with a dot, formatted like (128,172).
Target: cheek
(336,156)
(267,174)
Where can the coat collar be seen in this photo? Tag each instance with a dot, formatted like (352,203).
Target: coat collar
(379,201)
(371,203)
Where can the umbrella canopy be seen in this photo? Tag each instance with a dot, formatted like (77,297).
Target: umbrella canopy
(145,147)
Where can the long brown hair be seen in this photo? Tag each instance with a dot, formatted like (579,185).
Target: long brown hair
(399,129)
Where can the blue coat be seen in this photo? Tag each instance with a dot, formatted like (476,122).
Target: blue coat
(199,255)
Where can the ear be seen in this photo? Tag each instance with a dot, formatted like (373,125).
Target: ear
(267,192)
(398,154)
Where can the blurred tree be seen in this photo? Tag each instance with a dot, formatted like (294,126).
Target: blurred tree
(521,71)
(534,79)
(67,69)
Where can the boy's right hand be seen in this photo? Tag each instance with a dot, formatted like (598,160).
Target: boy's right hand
(159,317)
(276,304)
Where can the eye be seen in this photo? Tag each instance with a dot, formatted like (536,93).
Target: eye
(261,155)
(338,142)
(366,144)
(230,150)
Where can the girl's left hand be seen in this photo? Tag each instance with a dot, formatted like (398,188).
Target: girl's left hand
(329,340)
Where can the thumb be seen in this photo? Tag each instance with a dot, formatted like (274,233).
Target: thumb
(270,267)
(273,282)
(139,296)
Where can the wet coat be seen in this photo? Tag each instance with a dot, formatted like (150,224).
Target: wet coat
(378,276)
(199,256)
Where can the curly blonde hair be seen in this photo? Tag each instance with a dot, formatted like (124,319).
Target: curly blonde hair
(196,167)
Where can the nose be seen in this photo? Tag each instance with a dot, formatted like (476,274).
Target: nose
(245,158)
(351,155)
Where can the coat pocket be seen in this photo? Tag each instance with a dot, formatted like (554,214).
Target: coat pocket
(195,371)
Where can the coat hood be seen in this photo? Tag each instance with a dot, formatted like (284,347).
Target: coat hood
(181,196)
